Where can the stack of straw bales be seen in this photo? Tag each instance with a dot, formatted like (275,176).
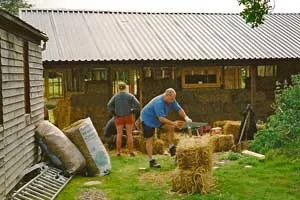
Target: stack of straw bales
(232,127)
(221,142)
(139,144)
(194,170)
(164,137)
(220,123)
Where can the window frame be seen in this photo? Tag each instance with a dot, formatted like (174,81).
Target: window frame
(60,83)
(201,70)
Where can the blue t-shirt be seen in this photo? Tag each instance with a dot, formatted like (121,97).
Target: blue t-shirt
(156,108)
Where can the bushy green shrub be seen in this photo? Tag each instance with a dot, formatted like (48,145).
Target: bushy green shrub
(283,127)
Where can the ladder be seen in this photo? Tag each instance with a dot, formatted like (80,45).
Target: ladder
(45,186)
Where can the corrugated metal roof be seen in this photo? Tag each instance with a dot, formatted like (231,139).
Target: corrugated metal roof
(76,35)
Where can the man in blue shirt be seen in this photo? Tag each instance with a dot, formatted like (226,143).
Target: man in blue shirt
(154,115)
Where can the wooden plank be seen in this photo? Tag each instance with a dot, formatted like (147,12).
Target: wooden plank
(39,106)
(16,128)
(11,67)
(12,115)
(12,85)
(12,77)
(13,157)
(28,137)
(13,99)
(37,117)
(16,158)
(36,100)
(37,113)
(253,75)
(254,154)
(35,60)
(14,122)
(16,92)
(36,83)
(39,94)
(11,46)
(11,147)
(34,47)
(13,176)
(34,53)
(35,65)
(1,148)
(36,77)
(3,34)
(17,149)
(36,71)
(11,54)
(12,107)
(37,89)
(7,62)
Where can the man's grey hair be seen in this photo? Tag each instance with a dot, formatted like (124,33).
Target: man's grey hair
(170,91)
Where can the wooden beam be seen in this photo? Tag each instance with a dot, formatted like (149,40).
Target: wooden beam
(251,153)
(46,81)
(253,75)
(131,80)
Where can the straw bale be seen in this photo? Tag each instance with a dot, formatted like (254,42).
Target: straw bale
(222,142)
(136,132)
(194,152)
(158,146)
(232,127)
(219,123)
(137,142)
(62,113)
(242,146)
(192,180)
(164,137)
(140,144)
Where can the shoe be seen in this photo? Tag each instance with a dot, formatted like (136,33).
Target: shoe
(132,154)
(154,164)
(172,151)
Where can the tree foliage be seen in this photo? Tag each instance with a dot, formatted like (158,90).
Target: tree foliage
(13,6)
(255,11)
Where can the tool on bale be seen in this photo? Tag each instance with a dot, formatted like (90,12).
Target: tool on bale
(248,122)
(193,127)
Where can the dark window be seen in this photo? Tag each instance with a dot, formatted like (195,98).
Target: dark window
(200,79)
(97,74)
(26,77)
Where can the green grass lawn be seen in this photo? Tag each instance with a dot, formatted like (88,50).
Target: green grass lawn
(277,177)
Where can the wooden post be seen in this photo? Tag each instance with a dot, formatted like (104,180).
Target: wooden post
(46,82)
(131,80)
(253,75)
(222,77)
(140,86)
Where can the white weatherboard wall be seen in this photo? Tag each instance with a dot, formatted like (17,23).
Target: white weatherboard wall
(17,148)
